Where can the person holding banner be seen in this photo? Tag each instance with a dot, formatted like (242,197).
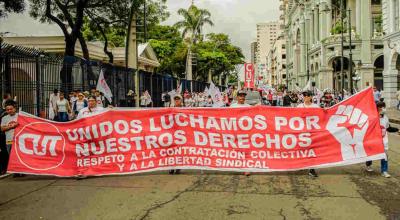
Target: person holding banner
(8,125)
(177,104)
(307,97)
(384,122)
(241,102)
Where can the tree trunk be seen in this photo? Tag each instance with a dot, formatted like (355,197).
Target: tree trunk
(86,55)
(66,71)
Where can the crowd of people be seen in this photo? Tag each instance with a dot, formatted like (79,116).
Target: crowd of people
(270,97)
(75,105)
(66,107)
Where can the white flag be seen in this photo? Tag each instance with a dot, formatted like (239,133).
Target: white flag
(179,89)
(206,91)
(103,87)
(308,86)
(212,90)
(218,99)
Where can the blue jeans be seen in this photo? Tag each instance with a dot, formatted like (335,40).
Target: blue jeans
(62,117)
(384,164)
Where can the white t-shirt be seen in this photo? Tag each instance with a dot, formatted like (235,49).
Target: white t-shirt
(86,112)
(237,105)
(62,105)
(313,105)
(7,120)
(384,123)
(53,100)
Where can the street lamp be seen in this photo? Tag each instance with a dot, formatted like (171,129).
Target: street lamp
(342,10)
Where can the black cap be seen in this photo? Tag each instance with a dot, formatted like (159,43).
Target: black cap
(307,93)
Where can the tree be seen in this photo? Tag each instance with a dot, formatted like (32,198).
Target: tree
(168,44)
(217,55)
(8,6)
(111,28)
(68,15)
(194,19)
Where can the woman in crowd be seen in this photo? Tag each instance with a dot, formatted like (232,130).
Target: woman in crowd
(79,104)
(63,108)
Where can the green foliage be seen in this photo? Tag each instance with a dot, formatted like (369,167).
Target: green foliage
(194,19)
(103,20)
(216,53)
(337,29)
(8,6)
(378,23)
(170,49)
(115,35)
(115,26)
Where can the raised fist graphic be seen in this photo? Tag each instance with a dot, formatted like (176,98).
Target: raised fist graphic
(352,145)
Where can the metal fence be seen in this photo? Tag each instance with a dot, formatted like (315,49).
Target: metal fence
(31,76)
(157,84)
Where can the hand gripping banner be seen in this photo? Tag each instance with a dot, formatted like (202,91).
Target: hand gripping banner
(254,139)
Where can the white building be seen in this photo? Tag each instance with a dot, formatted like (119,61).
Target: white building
(276,59)
(253,55)
(314,52)
(391,28)
(267,33)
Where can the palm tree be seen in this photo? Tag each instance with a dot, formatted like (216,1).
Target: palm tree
(194,19)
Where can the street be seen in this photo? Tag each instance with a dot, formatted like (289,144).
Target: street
(339,193)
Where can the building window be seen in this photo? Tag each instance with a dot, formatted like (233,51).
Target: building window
(376,2)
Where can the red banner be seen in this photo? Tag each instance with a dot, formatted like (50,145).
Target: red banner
(249,75)
(255,139)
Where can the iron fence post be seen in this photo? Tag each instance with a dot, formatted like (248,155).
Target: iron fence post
(38,98)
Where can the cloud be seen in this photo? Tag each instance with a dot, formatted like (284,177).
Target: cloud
(237,18)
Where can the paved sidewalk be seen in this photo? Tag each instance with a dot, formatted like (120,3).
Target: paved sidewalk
(394,115)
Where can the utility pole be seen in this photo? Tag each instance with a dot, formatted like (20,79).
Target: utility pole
(308,65)
(342,46)
(350,55)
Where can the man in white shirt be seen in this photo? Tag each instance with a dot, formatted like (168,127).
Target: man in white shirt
(309,104)
(91,109)
(241,100)
(9,123)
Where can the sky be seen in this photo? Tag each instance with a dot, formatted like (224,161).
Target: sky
(237,18)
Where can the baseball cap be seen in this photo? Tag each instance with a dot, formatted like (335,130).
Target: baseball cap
(242,92)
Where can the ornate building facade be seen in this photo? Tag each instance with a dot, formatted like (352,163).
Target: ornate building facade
(391,28)
(313,30)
